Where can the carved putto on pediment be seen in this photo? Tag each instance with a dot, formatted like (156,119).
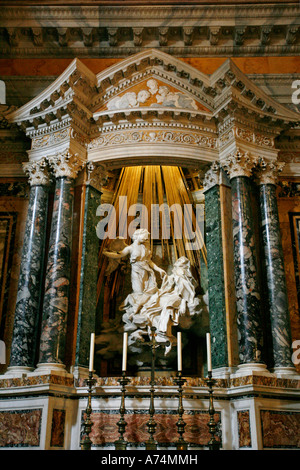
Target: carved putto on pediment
(153,94)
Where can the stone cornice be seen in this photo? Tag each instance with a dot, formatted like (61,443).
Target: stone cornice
(69,14)
(47,31)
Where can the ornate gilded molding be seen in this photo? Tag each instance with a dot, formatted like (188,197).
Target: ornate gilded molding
(65,164)
(239,163)
(37,172)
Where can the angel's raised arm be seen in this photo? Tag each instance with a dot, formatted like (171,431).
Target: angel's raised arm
(117,255)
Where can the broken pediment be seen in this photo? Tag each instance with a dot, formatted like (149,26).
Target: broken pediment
(153,104)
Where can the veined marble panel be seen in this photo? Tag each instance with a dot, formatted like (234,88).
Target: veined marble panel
(20,428)
(280,429)
(105,430)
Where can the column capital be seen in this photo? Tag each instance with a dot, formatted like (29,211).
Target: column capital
(239,163)
(37,172)
(212,176)
(96,175)
(267,172)
(66,164)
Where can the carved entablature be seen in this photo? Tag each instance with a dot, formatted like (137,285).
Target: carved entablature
(155,108)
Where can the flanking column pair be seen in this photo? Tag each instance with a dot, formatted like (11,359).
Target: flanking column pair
(240,166)
(273,267)
(65,167)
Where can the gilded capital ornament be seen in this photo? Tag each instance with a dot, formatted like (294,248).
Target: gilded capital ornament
(96,175)
(267,172)
(65,164)
(37,172)
(239,164)
(212,176)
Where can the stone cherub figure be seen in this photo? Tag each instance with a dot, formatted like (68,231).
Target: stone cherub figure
(171,304)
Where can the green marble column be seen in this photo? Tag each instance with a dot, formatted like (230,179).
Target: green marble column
(23,348)
(89,267)
(56,297)
(273,265)
(247,289)
(215,268)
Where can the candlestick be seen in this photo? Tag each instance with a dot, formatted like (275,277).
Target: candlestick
(213,444)
(209,368)
(179,352)
(92,349)
(124,362)
(86,442)
(151,444)
(181,444)
(121,444)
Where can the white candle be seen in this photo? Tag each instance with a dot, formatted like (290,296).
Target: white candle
(125,336)
(208,352)
(179,355)
(92,348)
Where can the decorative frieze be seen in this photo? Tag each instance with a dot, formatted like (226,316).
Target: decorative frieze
(154,136)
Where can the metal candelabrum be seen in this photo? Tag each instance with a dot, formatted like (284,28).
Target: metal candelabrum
(213,444)
(151,444)
(86,442)
(181,444)
(121,443)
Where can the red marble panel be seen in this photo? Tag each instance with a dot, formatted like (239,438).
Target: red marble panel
(58,428)
(243,418)
(105,429)
(20,428)
(280,429)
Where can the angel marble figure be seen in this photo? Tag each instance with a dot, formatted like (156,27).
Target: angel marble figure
(142,267)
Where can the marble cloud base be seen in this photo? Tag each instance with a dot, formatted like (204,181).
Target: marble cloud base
(46,411)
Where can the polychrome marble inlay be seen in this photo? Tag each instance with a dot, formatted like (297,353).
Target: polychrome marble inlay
(217,314)
(88,277)
(275,277)
(29,288)
(247,289)
(56,299)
